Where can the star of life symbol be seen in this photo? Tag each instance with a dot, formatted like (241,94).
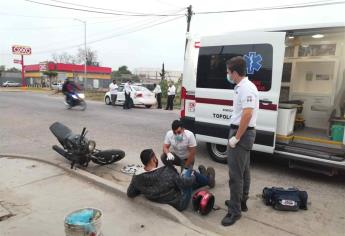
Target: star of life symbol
(253,61)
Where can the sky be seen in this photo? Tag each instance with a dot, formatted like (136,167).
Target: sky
(139,41)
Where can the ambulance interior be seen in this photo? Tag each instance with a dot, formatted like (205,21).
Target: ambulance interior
(312,97)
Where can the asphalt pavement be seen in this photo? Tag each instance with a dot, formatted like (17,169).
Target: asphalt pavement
(24,124)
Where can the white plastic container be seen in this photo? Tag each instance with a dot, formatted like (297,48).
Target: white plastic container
(286,121)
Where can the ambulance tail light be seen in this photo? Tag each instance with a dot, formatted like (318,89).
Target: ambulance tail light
(183,102)
(197,45)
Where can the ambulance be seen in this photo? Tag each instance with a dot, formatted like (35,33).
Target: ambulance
(300,75)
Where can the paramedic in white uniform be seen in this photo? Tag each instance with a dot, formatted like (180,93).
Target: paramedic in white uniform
(241,138)
(179,147)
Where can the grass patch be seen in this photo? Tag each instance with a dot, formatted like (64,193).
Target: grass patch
(95,96)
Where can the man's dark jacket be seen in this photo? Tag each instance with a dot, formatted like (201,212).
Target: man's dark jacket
(162,185)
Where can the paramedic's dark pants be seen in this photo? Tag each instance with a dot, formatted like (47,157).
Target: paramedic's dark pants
(113,98)
(239,173)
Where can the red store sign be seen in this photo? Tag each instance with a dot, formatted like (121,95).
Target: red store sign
(21,50)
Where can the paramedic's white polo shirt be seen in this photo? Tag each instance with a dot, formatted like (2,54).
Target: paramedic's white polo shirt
(180,148)
(246,95)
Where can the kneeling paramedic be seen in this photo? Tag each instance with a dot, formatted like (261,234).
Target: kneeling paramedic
(241,138)
(165,185)
(179,147)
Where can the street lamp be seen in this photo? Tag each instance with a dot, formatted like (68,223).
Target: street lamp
(84,22)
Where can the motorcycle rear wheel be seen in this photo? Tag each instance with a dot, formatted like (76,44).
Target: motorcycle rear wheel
(108,156)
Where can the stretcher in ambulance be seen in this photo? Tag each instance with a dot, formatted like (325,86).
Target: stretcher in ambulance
(300,75)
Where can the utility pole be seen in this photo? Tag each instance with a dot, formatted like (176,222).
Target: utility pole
(84,22)
(189,18)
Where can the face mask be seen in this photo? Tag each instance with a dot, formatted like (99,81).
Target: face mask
(178,138)
(228,78)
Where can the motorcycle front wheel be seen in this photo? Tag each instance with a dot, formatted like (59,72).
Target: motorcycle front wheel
(83,105)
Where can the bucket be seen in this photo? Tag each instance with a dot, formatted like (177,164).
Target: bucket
(337,133)
(84,222)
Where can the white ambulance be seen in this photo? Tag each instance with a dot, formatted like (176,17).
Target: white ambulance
(300,75)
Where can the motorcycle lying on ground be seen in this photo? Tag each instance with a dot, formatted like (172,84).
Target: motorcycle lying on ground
(76,99)
(79,150)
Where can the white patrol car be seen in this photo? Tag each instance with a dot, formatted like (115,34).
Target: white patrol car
(300,75)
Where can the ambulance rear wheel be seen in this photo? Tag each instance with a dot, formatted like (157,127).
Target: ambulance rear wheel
(217,152)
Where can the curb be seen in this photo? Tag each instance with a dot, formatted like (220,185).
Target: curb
(161,209)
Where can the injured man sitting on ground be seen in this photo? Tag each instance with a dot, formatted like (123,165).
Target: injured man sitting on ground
(165,184)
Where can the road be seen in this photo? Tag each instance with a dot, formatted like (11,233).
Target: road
(24,124)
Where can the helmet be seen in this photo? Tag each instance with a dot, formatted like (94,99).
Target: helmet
(203,201)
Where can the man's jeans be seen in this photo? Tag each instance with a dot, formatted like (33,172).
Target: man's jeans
(200,181)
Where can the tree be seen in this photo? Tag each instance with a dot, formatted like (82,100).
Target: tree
(91,57)
(13,69)
(2,68)
(124,70)
(64,58)
(162,74)
(50,75)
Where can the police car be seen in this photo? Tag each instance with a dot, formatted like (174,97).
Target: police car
(299,72)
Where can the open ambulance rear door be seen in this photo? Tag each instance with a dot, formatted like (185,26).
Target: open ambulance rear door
(264,54)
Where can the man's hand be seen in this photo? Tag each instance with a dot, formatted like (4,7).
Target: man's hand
(233,141)
(170,156)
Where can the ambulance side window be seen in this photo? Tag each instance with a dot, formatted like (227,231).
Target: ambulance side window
(211,72)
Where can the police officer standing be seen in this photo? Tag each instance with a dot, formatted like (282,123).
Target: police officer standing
(127,104)
(171,97)
(158,93)
(113,91)
(241,138)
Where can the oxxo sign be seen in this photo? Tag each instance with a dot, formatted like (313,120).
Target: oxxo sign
(21,50)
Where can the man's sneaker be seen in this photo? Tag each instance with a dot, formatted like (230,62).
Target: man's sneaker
(202,170)
(243,205)
(211,174)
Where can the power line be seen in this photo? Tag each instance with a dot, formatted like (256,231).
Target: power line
(315,4)
(111,36)
(144,23)
(74,39)
(55,17)
(101,12)
(99,8)
(62,26)
(143,28)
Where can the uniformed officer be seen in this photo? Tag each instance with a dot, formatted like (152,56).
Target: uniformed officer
(127,104)
(113,91)
(241,138)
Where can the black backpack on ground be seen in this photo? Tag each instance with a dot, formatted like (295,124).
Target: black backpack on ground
(290,199)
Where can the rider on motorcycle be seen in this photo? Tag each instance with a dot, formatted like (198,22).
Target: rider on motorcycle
(70,88)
